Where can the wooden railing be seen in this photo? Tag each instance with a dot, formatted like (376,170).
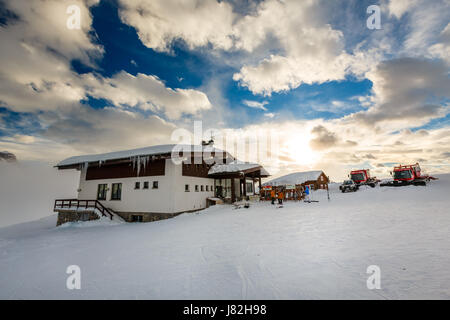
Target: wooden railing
(83,204)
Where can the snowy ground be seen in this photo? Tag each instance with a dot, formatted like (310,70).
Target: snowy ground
(302,251)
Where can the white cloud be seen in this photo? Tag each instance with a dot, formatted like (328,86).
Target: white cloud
(278,73)
(37,50)
(407,92)
(309,49)
(398,8)
(38,79)
(160,22)
(43,24)
(441,49)
(425,22)
(25,139)
(81,130)
(255,104)
(301,46)
(146,92)
(90,131)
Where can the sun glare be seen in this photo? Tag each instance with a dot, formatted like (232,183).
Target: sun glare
(299,150)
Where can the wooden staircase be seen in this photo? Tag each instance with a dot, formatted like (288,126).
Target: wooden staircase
(81,205)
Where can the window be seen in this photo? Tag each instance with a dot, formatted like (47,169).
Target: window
(196,188)
(155,184)
(136,218)
(137,185)
(207,187)
(357,177)
(186,188)
(145,184)
(116,192)
(101,191)
(201,188)
(404,174)
(249,187)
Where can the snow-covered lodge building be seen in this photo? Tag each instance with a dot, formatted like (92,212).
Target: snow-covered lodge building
(155,183)
(294,183)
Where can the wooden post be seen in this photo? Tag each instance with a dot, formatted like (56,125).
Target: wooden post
(233,193)
(259,181)
(244,187)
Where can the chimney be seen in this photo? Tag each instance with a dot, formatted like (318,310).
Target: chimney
(209,143)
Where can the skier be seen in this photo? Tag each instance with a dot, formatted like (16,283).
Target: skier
(272,196)
(307,199)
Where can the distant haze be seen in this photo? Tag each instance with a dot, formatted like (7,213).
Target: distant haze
(28,189)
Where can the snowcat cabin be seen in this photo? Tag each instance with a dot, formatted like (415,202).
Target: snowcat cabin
(359,176)
(407,173)
(403,175)
(362,177)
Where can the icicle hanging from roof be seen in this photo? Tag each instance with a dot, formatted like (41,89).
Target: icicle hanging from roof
(138,163)
(133,160)
(145,161)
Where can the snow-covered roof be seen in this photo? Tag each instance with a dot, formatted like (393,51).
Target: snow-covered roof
(233,167)
(148,151)
(294,178)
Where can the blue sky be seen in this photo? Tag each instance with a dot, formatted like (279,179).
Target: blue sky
(136,71)
(184,68)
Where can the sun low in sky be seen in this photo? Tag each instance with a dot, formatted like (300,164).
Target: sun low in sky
(345,84)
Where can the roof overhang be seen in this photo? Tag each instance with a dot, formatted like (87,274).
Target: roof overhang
(184,154)
(255,172)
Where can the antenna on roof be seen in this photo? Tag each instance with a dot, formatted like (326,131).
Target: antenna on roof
(210,142)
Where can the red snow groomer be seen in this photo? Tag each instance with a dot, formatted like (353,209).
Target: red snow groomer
(362,177)
(408,175)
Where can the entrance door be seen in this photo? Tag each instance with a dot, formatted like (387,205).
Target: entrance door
(219,192)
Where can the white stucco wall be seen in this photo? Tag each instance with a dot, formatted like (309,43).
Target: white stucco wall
(170,197)
(191,200)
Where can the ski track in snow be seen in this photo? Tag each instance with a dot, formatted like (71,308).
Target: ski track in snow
(301,251)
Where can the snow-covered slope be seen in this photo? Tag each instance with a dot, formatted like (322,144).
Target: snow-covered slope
(302,251)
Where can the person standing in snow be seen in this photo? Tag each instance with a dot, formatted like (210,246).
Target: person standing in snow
(272,196)
(280,197)
(307,199)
